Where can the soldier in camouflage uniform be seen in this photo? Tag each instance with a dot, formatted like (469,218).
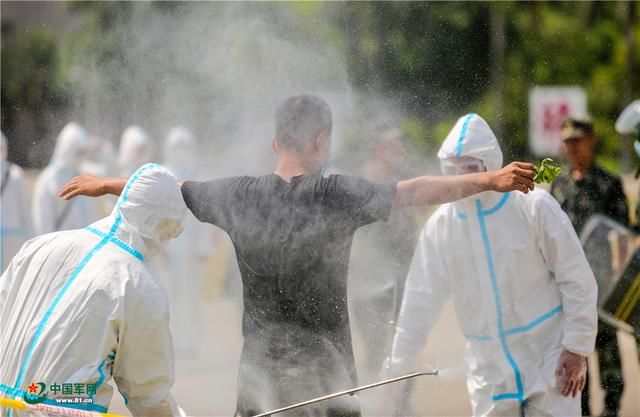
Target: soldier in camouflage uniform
(583,190)
(381,253)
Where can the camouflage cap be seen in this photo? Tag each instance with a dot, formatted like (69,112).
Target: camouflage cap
(574,128)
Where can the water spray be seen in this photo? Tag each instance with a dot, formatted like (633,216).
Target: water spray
(348,392)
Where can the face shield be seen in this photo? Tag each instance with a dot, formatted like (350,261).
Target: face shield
(462,165)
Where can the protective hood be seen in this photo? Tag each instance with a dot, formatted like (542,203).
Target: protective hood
(180,150)
(136,149)
(72,146)
(149,212)
(471,136)
(150,202)
(628,122)
(178,137)
(101,160)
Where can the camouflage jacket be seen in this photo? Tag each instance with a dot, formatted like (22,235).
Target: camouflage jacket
(597,192)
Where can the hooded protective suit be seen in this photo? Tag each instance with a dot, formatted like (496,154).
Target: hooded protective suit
(521,287)
(80,306)
(14,209)
(101,158)
(187,254)
(136,149)
(50,212)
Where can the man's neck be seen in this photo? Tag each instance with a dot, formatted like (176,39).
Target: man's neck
(289,165)
(578,171)
(377,170)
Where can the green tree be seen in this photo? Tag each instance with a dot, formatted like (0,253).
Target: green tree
(32,91)
(443,59)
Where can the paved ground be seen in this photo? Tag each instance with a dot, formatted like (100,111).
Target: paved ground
(206,386)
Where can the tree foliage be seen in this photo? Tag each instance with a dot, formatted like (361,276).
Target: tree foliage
(439,60)
(31,85)
(437,57)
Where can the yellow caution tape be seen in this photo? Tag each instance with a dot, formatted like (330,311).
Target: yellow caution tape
(19,405)
(52,409)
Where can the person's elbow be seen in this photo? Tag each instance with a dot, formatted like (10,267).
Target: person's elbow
(405,194)
(590,288)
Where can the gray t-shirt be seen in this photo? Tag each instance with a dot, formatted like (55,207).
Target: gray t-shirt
(292,243)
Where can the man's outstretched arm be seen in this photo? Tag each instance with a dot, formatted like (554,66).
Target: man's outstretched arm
(424,191)
(420,191)
(93,186)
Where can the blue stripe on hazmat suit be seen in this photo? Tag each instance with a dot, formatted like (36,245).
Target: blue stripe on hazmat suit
(80,306)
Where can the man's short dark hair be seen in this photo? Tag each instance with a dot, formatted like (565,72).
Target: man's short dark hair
(299,119)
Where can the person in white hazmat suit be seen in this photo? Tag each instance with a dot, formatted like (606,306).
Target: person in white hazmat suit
(51,213)
(188,254)
(80,306)
(101,161)
(522,289)
(14,209)
(101,158)
(628,124)
(136,149)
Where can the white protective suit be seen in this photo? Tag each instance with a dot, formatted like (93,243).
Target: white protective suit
(136,149)
(101,161)
(187,254)
(80,306)
(50,212)
(521,287)
(101,158)
(14,207)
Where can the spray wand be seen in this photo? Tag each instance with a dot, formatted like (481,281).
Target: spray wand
(348,392)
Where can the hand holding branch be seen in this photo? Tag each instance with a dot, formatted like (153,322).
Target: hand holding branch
(517,176)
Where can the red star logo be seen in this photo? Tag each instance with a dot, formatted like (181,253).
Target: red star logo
(33,388)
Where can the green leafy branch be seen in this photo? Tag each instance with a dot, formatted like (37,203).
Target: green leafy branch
(547,172)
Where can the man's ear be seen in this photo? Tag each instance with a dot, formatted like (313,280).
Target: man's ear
(317,142)
(320,140)
(274,145)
